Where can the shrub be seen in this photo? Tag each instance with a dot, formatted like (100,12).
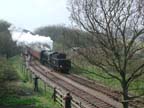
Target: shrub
(7,74)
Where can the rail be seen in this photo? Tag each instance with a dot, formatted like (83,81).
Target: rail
(59,95)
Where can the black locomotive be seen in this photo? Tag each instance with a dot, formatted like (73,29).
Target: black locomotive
(55,60)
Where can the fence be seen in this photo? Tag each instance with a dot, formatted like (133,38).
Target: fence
(59,98)
(58,94)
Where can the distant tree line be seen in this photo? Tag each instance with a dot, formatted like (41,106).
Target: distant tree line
(65,38)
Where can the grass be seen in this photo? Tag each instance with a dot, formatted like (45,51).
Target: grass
(23,95)
(17,101)
(98,75)
(43,99)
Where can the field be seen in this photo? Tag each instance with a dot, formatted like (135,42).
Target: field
(85,69)
(20,92)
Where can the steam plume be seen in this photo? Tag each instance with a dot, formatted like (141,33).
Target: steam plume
(25,37)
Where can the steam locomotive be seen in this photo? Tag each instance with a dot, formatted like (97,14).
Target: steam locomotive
(55,60)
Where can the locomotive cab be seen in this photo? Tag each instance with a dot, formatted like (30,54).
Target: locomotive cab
(64,65)
(60,63)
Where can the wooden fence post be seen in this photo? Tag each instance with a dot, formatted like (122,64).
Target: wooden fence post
(22,68)
(45,89)
(36,84)
(30,76)
(61,100)
(80,104)
(54,94)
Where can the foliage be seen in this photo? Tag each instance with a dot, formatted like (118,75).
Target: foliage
(37,100)
(10,101)
(7,72)
(55,32)
(8,48)
(64,38)
(4,25)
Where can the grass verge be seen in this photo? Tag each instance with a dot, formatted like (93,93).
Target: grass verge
(21,91)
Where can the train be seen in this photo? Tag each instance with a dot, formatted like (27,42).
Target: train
(55,60)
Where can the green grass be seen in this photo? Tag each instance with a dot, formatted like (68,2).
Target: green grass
(18,64)
(96,74)
(24,87)
(43,100)
(18,101)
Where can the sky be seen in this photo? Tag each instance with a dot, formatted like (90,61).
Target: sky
(31,14)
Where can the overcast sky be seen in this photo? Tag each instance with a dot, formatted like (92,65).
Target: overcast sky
(30,14)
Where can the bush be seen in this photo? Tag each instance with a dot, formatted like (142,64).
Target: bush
(7,74)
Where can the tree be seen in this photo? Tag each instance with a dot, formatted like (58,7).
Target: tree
(54,31)
(61,35)
(8,47)
(7,74)
(116,28)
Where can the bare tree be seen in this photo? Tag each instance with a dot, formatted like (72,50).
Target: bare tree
(116,28)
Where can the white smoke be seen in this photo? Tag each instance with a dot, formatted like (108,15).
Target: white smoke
(25,37)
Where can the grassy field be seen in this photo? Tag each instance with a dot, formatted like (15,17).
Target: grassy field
(21,94)
(99,76)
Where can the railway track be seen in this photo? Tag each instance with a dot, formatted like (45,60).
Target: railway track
(107,91)
(116,95)
(91,100)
